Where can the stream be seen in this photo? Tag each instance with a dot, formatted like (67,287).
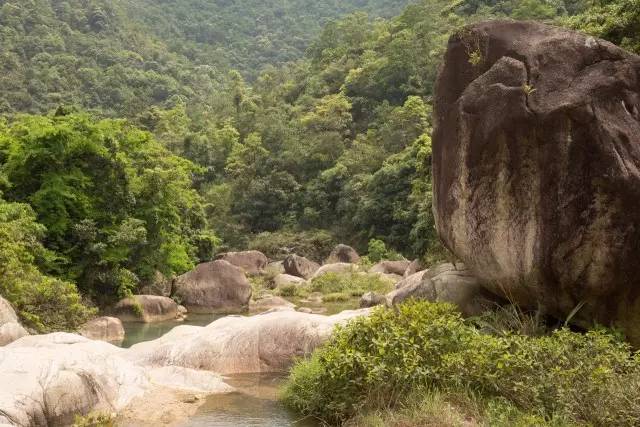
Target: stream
(255,404)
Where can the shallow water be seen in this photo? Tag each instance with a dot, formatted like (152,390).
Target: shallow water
(255,404)
(139,332)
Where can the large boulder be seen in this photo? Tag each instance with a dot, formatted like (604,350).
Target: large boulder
(300,266)
(536,168)
(450,283)
(343,253)
(104,328)
(268,342)
(391,267)
(251,262)
(213,287)
(49,379)
(411,280)
(10,328)
(145,308)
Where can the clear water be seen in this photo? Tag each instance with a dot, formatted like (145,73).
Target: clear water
(139,332)
(255,404)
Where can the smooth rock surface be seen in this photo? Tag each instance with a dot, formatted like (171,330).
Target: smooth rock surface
(266,342)
(104,328)
(251,262)
(213,287)
(145,308)
(371,299)
(391,267)
(536,168)
(269,302)
(455,285)
(298,266)
(282,280)
(413,268)
(343,253)
(10,327)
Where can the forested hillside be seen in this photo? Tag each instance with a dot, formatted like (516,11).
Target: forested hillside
(195,157)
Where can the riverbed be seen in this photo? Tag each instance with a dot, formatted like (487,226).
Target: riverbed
(255,404)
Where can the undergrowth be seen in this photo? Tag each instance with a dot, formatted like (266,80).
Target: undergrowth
(377,365)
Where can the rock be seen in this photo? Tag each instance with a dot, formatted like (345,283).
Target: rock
(182,310)
(55,377)
(415,266)
(412,280)
(104,328)
(276,267)
(343,253)
(305,310)
(159,285)
(213,287)
(268,342)
(457,286)
(300,266)
(251,262)
(371,299)
(145,308)
(10,328)
(269,302)
(338,267)
(390,267)
(287,280)
(536,168)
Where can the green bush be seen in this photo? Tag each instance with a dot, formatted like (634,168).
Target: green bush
(376,362)
(313,244)
(42,302)
(377,251)
(352,283)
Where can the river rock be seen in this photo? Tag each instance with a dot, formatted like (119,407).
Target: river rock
(10,327)
(337,267)
(412,280)
(55,377)
(416,266)
(300,266)
(371,299)
(283,280)
(268,342)
(104,328)
(251,262)
(269,302)
(391,267)
(276,267)
(536,168)
(343,253)
(213,287)
(145,308)
(455,285)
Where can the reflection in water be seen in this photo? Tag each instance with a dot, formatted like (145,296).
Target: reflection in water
(255,404)
(139,332)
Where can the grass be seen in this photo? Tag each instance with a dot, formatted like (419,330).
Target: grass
(421,363)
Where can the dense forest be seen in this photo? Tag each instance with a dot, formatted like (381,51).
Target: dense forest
(142,136)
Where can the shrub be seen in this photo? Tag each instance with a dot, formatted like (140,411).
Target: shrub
(313,244)
(376,362)
(352,283)
(43,303)
(377,251)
